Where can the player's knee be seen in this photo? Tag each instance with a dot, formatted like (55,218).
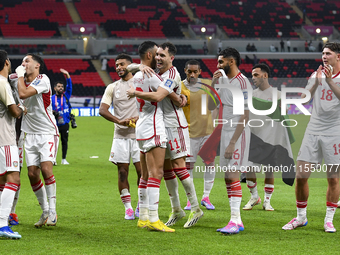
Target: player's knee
(123,174)
(333,182)
(13,177)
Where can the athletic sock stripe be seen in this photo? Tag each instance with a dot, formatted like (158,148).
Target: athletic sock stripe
(268,190)
(301,204)
(11,186)
(331,204)
(169,175)
(154,183)
(182,173)
(37,186)
(50,180)
(142,184)
(250,187)
(235,189)
(126,199)
(189,166)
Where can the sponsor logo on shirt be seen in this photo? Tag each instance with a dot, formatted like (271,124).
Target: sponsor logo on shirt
(168,83)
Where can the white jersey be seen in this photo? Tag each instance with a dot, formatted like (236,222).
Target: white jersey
(325,119)
(266,94)
(173,116)
(226,96)
(13,81)
(7,122)
(150,122)
(39,118)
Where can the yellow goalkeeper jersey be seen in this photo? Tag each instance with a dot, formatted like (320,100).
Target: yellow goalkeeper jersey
(199,125)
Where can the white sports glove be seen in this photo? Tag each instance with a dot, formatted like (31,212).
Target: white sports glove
(20,71)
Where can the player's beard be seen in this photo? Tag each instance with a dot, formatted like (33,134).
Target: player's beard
(123,75)
(226,69)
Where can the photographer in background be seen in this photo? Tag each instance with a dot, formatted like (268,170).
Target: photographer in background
(62,111)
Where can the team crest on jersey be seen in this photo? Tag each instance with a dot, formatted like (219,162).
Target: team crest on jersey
(117,95)
(112,154)
(15,163)
(36,82)
(168,83)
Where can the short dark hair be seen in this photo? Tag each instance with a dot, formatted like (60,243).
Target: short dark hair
(231,52)
(38,59)
(144,47)
(263,67)
(333,46)
(193,62)
(171,48)
(57,82)
(124,56)
(3,58)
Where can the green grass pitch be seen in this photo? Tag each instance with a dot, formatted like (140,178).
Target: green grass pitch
(91,214)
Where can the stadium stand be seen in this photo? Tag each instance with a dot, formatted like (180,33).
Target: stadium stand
(250,18)
(84,75)
(42,20)
(45,49)
(141,19)
(321,12)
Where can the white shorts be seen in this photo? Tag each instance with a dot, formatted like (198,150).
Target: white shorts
(21,148)
(123,150)
(9,159)
(239,161)
(178,145)
(195,146)
(314,148)
(156,141)
(40,148)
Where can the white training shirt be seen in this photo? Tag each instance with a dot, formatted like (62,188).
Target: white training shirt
(173,116)
(7,122)
(115,94)
(266,94)
(226,96)
(39,118)
(150,122)
(325,118)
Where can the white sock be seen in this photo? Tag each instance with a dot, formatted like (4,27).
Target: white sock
(235,204)
(190,191)
(40,193)
(15,200)
(209,177)
(252,186)
(301,207)
(172,187)
(7,197)
(330,211)
(268,191)
(126,198)
(143,200)
(153,193)
(51,191)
